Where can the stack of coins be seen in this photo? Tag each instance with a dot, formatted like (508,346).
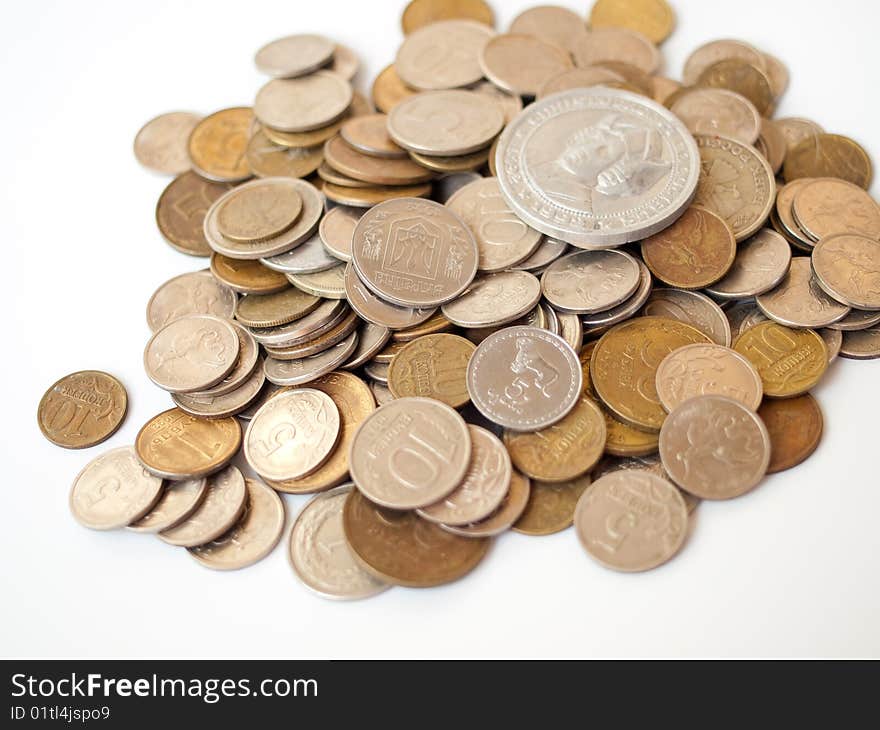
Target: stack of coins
(543,285)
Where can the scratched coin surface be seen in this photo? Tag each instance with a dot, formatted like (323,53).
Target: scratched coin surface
(253,537)
(799,300)
(828,206)
(113,490)
(551,506)
(410,453)
(294,55)
(847,266)
(696,370)
(718,111)
(494,299)
(597,167)
(218,144)
(795,427)
(320,555)
(403,549)
(195,293)
(161,144)
(433,366)
(714,447)
(587,282)
(303,104)
(631,520)
(524,378)
(502,519)
(483,488)
(83,409)
(180,212)
(442,55)
(761,263)
(177,502)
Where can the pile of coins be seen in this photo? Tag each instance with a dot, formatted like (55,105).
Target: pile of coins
(542,285)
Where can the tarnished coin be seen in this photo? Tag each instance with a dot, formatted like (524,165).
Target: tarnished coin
(718,111)
(191,353)
(795,429)
(218,143)
(337,230)
(253,537)
(433,366)
(373,170)
(761,263)
(369,134)
(604,44)
(294,55)
(175,445)
(271,310)
(304,103)
(228,403)
(588,282)
(653,18)
(177,502)
(388,252)
(328,283)
(623,368)
(521,63)
(714,447)
(829,155)
(631,520)
(442,55)
(789,361)
(552,24)
(221,508)
(403,549)
(268,159)
(247,276)
(692,308)
(829,206)
(306,369)
(444,123)
(743,78)
(847,266)
(502,519)
(524,378)
(483,488)
(799,301)
(861,345)
(736,183)
(258,212)
(597,167)
(410,453)
(82,409)
(195,293)
(375,310)
(550,508)
(310,257)
(161,144)
(495,299)
(292,434)
(370,195)
(696,370)
(419,13)
(389,90)
(180,212)
(720,50)
(319,551)
(113,490)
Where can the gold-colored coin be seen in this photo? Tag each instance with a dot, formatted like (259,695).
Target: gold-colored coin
(180,212)
(743,78)
(272,310)
(374,170)
(551,506)
(218,145)
(789,361)
(459,163)
(303,140)
(82,409)
(436,323)
(367,197)
(829,155)
(267,159)
(433,366)
(652,18)
(174,445)
(388,90)
(388,353)
(424,12)
(247,276)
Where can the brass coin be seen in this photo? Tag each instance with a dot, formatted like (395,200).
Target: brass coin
(550,508)
(720,50)
(432,325)
(795,427)
(329,174)
(652,18)
(180,212)
(742,77)
(388,90)
(403,549)
(522,64)
(502,519)
(377,171)
(829,155)
(369,135)
(459,163)
(258,212)
(579,78)
(789,361)
(369,196)
(82,409)
(829,206)
(694,252)
(218,145)
(267,159)
(175,445)
(160,145)
(247,276)
(419,13)
(433,366)
(271,310)
(388,353)
(305,140)
(774,141)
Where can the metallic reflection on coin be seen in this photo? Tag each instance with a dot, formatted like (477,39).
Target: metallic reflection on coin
(309,257)
(761,263)
(306,369)
(861,345)
(847,267)
(82,409)
(692,308)
(588,282)
(799,301)
(294,55)
(795,427)
(494,299)
(789,361)
(442,55)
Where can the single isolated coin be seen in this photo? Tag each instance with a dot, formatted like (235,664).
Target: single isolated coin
(294,55)
(795,427)
(442,55)
(195,293)
(83,409)
(161,144)
(217,145)
(432,366)
(588,282)
(521,63)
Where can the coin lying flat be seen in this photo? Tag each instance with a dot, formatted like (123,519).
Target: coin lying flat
(432,366)
(718,111)
(161,144)
(328,283)
(587,282)
(442,55)
(631,520)
(113,490)
(501,520)
(375,310)
(217,145)
(524,378)
(559,26)
(253,537)
(370,195)
(82,409)
(692,308)
(550,508)
(257,212)
(221,405)
(304,103)
(177,502)
(294,55)
(403,549)
(653,18)
(847,266)
(180,212)
(565,170)
(246,276)
(829,206)
(795,428)
(369,134)
(604,44)
(389,90)
(324,317)
(337,230)
(194,293)
(799,300)
(272,310)
(829,155)
(861,345)
(761,263)
(419,13)
(521,63)
(373,170)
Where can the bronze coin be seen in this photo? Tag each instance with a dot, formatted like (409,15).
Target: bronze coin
(218,145)
(433,366)
(378,171)
(180,212)
(247,276)
(424,12)
(267,159)
(551,506)
(743,78)
(388,90)
(82,409)
(795,428)
(829,155)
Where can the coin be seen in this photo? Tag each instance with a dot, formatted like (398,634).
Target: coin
(376,310)
(271,310)
(736,183)
(494,299)
(795,429)
(310,257)
(847,267)
(218,143)
(177,502)
(789,226)
(306,369)
(692,308)
(718,111)
(578,78)
(319,551)
(714,51)
(258,212)
(247,276)
(799,301)
(433,366)
(381,392)
(268,159)
(317,344)
(113,490)
(410,453)
(696,370)
(625,309)
(773,141)
(550,508)
(501,520)
(588,282)
(602,44)
(388,90)
(631,520)
(180,212)
(419,13)
(303,104)
(374,170)
(855,320)
(371,195)
(789,361)
(556,25)
(221,508)
(248,352)
(161,144)
(829,155)
(253,537)
(714,447)
(829,206)
(268,391)
(371,339)
(82,409)
(521,63)
(328,283)
(385,245)
(861,345)
(294,55)
(796,130)
(653,18)
(326,316)
(761,263)
(337,230)
(433,325)
(369,135)
(483,488)
(221,405)
(195,293)
(175,445)
(742,77)
(307,140)
(546,253)
(442,55)
(556,163)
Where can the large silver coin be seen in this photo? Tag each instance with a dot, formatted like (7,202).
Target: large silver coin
(597,167)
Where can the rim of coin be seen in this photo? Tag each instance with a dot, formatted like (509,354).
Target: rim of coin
(761,263)
(161,144)
(312,367)
(799,300)
(177,502)
(87,393)
(294,55)
(205,295)
(310,257)
(246,276)
(510,510)
(494,299)
(841,262)
(567,285)
(304,103)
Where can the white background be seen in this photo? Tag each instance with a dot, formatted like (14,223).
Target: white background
(792,569)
